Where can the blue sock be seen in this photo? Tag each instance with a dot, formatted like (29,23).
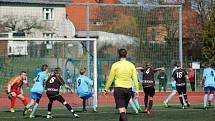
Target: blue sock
(34,109)
(137,103)
(29,105)
(133,105)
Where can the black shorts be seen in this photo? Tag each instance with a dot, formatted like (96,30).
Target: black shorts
(122,97)
(57,97)
(181,89)
(149,91)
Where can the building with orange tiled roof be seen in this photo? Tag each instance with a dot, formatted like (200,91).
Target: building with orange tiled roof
(77,13)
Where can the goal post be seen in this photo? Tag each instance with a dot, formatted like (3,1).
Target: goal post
(61,49)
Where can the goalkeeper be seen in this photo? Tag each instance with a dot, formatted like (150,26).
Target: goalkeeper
(14,89)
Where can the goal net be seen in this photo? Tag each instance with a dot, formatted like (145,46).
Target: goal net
(28,54)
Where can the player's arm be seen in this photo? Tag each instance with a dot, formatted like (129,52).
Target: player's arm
(11,84)
(139,68)
(186,75)
(158,69)
(110,78)
(134,78)
(62,83)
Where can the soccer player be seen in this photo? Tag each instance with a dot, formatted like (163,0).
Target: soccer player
(134,101)
(14,89)
(148,85)
(37,91)
(208,84)
(162,77)
(53,85)
(123,72)
(180,77)
(84,85)
(173,83)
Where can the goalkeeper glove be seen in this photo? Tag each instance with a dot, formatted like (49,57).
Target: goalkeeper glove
(10,96)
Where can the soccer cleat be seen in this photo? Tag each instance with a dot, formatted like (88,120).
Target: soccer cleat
(140,110)
(206,108)
(12,110)
(148,112)
(136,112)
(26,110)
(84,111)
(165,104)
(76,115)
(183,107)
(49,116)
(95,110)
(188,104)
(145,110)
(31,116)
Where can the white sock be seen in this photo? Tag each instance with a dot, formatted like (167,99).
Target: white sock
(205,100)
(210,97)
(184,100)
(169,97)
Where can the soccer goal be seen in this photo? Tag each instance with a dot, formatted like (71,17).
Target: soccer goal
(28,54)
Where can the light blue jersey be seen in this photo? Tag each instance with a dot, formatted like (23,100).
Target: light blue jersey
(132,84)
(173,82)
(209,76)
(38,86)
(83,83)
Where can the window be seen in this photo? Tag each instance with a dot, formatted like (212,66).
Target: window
(48,14)
(48,43)
(48,35)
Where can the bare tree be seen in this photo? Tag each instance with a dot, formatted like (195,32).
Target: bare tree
(204,8)
(25,24)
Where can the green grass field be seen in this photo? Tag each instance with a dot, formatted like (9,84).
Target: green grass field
(174,113)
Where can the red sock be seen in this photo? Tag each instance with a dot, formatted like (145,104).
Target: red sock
(13,100)
(25,102)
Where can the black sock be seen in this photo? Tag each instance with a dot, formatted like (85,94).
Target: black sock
(185,98)
(84,104)
(150,104)
(181,100)
(146,101)
(49,107)
(123,117)
(69,108)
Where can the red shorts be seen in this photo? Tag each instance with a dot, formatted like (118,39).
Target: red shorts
(17,92)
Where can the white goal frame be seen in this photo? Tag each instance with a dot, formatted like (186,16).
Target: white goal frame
(94,40)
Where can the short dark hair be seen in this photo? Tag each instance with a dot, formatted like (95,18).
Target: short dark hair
(44,67)
(57,70)
(178,64)
(21,72)
(148,64)
(208,64)
(122,53)
(82,71)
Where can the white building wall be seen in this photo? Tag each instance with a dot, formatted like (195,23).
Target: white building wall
(59,26)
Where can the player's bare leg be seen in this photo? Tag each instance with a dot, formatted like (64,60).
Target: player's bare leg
(22,98)
(122,112)
(169,98)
